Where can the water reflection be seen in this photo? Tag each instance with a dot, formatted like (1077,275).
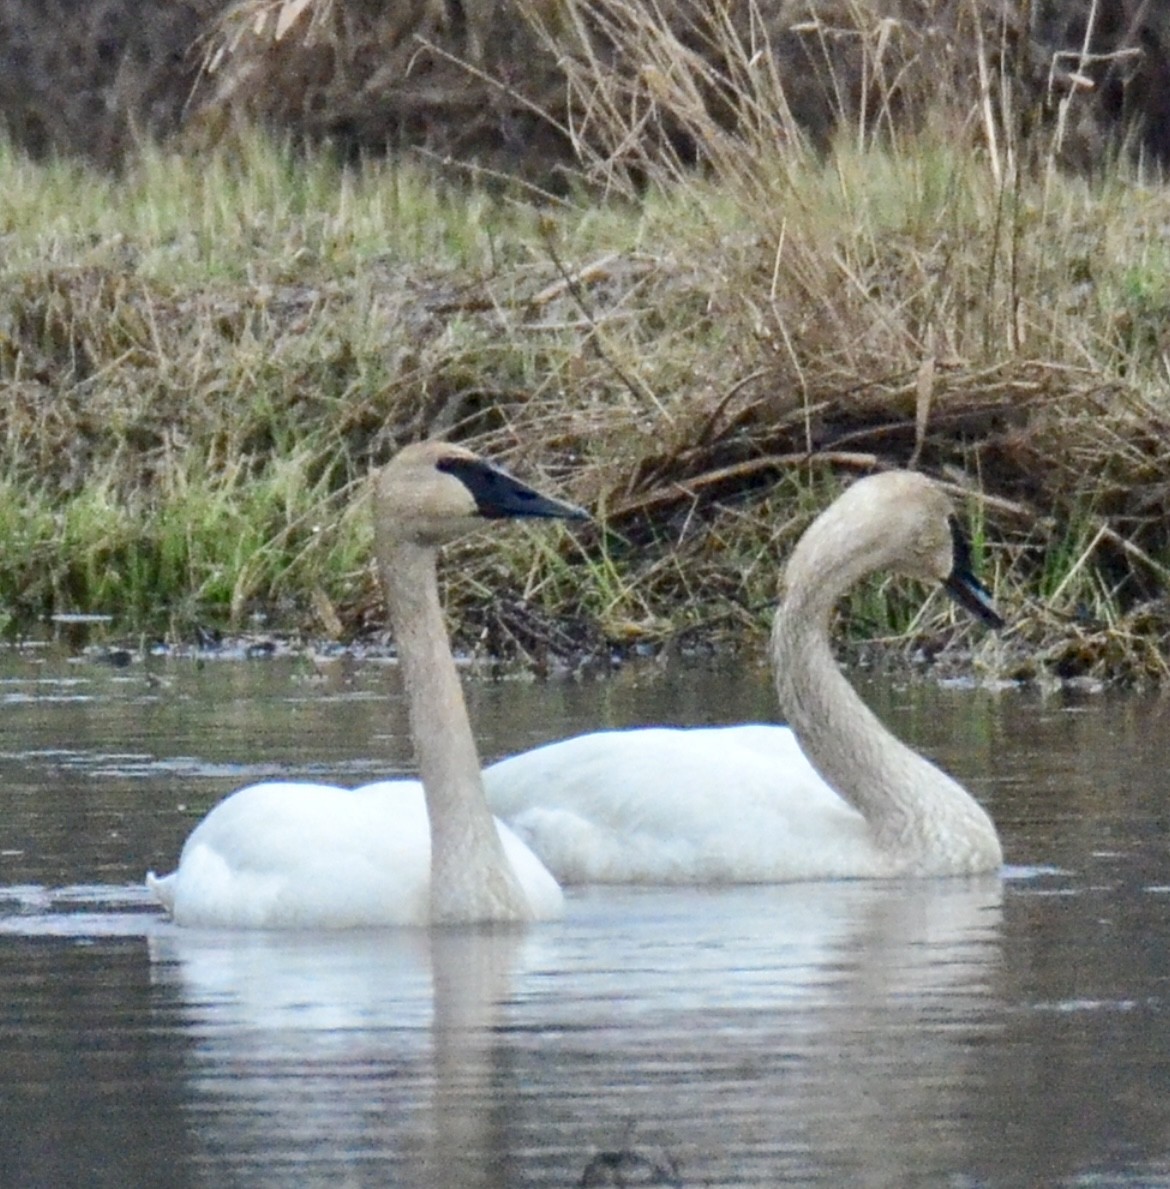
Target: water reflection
(503,1057)
(940,1033)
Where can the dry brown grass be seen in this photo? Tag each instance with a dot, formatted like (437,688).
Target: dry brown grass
(536,88)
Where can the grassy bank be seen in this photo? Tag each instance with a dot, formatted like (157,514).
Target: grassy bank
(201,360)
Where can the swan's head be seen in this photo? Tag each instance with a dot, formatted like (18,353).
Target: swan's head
(432,492)
(897,520)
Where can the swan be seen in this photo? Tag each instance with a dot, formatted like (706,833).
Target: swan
(296,855)
(833,795)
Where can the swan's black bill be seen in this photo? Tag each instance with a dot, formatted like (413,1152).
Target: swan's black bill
(964,587)
(498,495)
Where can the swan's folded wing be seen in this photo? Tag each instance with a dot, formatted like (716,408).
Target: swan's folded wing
(295,855)
(661,806)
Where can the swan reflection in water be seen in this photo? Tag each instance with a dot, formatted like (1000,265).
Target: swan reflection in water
(741,1031)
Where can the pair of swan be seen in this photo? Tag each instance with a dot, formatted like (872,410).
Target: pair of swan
(834,795)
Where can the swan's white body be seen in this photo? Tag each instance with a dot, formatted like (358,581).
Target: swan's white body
(290,855)
(681,806)
(835,796)
(308,856)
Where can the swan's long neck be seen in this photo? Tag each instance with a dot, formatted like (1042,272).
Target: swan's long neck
(919,817)
(471,878)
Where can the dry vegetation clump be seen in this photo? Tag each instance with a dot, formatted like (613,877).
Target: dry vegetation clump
(466,82)
(188,424)
(532,87)
(496,84)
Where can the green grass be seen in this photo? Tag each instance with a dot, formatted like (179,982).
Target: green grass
(252,212)
(202,359)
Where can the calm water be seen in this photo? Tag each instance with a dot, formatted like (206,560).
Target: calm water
(955,1033)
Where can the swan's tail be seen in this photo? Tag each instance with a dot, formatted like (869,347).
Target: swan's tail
(163,887)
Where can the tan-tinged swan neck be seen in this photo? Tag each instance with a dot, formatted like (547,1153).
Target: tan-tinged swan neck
(471,878)
(919,817)
(428,494)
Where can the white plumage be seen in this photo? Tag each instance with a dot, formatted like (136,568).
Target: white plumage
(678,806)
(292,855)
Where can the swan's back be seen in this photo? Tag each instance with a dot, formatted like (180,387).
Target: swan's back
(693,806)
